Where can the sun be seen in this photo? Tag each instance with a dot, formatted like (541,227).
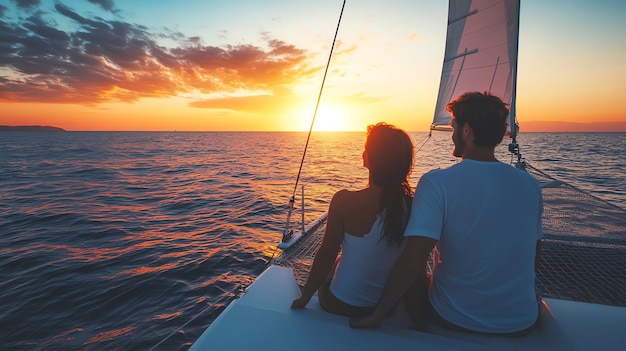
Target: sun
(330,118)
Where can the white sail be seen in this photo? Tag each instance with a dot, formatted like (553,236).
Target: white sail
(480,54)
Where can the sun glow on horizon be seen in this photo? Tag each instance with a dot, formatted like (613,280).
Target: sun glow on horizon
(331,118)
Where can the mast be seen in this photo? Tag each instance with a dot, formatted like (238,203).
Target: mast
(514,127)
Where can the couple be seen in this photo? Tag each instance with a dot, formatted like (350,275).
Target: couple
(481,216)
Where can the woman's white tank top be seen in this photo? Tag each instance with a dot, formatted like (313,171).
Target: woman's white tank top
(365,263)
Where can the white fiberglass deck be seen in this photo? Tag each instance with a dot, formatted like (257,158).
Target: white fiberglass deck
(262,320)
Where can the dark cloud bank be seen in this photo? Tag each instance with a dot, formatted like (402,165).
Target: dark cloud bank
(106,61)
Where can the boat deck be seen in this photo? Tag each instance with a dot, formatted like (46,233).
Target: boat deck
(262,319)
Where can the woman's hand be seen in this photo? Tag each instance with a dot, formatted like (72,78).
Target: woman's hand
(300,302)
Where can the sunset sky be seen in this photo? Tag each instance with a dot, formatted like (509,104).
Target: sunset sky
(200,65)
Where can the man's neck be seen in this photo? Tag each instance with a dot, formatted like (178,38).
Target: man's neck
(479,153)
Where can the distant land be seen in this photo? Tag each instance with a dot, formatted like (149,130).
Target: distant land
(30,129)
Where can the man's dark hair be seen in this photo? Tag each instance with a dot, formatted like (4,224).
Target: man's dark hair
(485,113)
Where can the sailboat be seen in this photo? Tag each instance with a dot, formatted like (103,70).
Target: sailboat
(480,55)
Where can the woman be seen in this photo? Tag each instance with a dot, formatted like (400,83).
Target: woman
(367,225)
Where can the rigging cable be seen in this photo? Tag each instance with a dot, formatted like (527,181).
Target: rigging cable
(425,140)
(286,232)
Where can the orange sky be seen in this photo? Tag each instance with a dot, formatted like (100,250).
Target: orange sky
(120,68)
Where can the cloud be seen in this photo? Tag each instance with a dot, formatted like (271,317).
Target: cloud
(105,4)
(26,3)
(253,103)
(361,98)
(103,61)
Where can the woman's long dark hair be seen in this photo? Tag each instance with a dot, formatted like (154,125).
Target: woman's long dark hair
(390,159)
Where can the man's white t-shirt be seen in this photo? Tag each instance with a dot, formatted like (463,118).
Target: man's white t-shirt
(486,217)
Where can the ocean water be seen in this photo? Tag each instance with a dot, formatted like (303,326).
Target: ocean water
(112,241)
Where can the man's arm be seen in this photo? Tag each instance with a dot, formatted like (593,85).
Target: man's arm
(410,266)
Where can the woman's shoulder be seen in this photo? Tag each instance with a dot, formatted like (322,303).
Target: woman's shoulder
(348,195)
(350,198)
(341,197)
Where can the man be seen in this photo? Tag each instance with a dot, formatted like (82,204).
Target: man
(483,218)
